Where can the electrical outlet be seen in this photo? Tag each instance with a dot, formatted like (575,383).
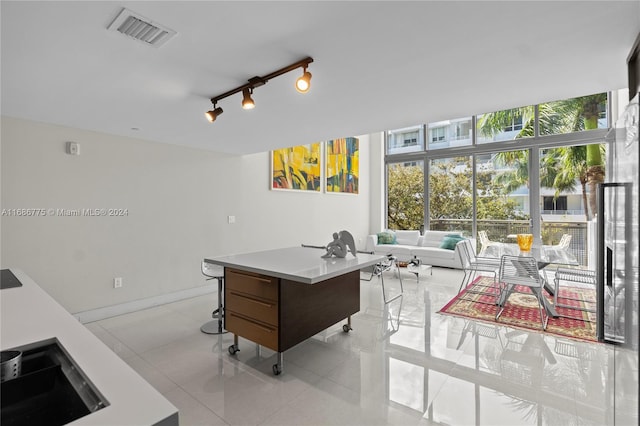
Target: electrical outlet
(117,282)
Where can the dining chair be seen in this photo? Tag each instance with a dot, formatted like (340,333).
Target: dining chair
(561,247)
(520,271)
(472,264)
(572,278)
(485,242)
(388,264)
(565,240)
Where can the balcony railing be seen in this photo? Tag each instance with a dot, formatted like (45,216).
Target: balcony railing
(498,230)
(575,212)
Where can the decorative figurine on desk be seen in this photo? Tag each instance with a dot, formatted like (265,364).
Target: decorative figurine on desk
(342,243)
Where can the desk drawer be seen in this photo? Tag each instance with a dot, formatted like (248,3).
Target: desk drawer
(263,310)
(256,285)
(262,334)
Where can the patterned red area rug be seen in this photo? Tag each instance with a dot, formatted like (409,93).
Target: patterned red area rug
(477,301)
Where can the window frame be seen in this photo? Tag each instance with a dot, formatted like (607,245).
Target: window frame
(533,144)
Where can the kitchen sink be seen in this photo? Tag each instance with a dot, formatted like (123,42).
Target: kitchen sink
(50,390)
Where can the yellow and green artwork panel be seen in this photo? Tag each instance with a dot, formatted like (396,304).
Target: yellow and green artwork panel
(343,166)
(297,168)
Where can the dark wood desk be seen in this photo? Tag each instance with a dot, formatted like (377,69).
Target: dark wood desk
(279,298)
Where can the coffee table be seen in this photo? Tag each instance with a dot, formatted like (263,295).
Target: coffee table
(419,269)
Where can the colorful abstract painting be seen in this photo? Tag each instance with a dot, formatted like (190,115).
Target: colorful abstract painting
(342,165)
(297,168)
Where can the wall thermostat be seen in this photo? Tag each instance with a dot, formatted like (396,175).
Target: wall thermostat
(73,148)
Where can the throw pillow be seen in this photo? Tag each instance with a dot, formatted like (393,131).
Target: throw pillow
(449,242)
(386,237)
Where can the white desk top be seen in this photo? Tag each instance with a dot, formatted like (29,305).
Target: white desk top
(300,264)
(28,315)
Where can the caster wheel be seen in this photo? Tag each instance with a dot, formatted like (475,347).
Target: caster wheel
(346,328)
(233,349)
(276,370)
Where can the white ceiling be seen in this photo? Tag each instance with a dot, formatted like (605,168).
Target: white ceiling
(377,65)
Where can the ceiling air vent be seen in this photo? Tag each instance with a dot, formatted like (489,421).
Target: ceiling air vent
(140,28)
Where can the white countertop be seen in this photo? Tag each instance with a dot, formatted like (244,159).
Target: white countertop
(302,264)
(28,314)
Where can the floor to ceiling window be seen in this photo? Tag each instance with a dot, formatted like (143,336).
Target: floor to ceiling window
(451,194)
(405,179)
(567,198)
(502,196)
(405,195)
(503,172)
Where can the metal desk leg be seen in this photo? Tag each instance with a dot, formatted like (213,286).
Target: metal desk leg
(215,326)
(347,327)
(234,348)
(277,367)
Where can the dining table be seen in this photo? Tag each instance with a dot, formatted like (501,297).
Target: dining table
(544,255)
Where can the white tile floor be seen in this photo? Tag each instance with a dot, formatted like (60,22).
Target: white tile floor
(403,364)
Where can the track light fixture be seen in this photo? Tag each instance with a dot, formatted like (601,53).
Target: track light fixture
(247,102)
(213,114)
(303,84)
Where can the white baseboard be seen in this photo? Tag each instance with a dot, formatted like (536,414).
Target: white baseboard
(137,305)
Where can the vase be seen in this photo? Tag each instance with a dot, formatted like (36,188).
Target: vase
(525,241)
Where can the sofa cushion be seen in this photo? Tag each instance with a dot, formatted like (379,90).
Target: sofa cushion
(449,242)
(386,237)
(434,238)
(409,238)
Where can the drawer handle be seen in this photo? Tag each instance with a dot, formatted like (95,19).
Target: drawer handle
(255,324)
(267,305)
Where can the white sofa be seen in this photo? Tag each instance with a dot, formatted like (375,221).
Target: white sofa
(410,244)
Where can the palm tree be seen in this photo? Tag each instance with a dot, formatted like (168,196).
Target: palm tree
(572,166)
(594,158)
(564,165)
(518,174)
(582,114)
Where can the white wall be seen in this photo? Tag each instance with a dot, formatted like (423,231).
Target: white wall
(178,201)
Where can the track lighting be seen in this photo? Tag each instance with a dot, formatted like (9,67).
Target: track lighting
(303,84)
(247,102)
(213,114)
